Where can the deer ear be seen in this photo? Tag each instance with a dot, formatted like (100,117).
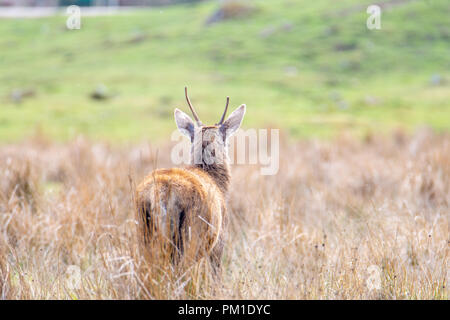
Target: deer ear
(184,123)
(232,124)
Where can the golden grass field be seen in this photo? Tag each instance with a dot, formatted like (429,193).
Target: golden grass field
(336,211)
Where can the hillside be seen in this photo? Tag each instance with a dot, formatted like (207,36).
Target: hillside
(309,67)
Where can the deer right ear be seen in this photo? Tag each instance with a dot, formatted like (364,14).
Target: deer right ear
(184,123)
(232,124)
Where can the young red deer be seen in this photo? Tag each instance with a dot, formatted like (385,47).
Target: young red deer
(183,209)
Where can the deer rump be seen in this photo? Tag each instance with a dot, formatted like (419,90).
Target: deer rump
(181,213)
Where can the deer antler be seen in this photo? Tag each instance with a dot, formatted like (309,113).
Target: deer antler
(225,112)
(192,108)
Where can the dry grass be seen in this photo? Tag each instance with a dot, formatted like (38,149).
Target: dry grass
(311,232)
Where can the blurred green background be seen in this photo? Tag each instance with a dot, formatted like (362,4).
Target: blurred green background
(309,67)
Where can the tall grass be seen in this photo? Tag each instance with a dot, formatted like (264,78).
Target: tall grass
(314,231)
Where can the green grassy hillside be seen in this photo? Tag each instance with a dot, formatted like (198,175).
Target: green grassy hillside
(311,67)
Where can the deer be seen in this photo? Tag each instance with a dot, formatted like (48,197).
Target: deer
(183,209)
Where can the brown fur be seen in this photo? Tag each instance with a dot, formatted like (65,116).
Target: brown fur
(199,193)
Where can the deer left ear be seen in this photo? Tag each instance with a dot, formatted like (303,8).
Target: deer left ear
(233,123)
(184,123)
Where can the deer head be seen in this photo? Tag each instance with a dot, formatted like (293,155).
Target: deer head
(209,144)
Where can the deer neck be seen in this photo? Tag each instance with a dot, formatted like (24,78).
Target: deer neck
(220,173)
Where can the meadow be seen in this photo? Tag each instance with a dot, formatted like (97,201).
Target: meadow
(312,68)
(358,210)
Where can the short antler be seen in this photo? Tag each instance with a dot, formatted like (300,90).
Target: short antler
(225,112)
(192,108)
